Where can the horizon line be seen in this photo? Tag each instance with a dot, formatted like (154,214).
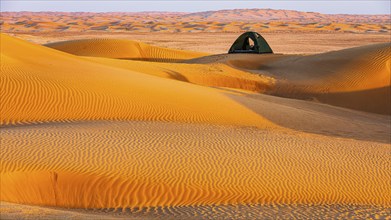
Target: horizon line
(344,7)
(185,12)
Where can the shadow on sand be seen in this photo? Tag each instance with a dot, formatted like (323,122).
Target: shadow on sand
(318,118)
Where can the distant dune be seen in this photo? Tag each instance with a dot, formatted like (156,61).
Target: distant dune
(96,124)
(236,20)
(283,15)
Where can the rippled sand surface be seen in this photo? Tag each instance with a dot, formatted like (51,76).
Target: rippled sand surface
(286,211)
(144,164)
(142,131)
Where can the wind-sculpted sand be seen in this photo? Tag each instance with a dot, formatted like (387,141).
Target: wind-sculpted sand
(159,133)
(123,49)
(357,78)
(149,164)
(41,84)
(256,211)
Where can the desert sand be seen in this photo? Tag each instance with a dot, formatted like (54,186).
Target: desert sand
(271,211)
(240,20)
(120,125)
(287,31)
(287,42)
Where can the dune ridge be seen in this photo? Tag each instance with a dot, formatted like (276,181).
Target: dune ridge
(123,49)
(126,52)
(356,78)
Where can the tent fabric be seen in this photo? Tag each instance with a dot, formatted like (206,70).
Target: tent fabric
(250,42)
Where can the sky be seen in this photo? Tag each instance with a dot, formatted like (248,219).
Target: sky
(326,7)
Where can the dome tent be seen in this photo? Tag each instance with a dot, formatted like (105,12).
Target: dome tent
(250,42)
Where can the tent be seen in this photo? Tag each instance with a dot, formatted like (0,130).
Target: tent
(250,42)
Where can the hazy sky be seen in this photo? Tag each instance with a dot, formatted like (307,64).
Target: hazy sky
(329,7)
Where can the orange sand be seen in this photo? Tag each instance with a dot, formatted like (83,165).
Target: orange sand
(138,164)
(115,133)
(70,88)
(286,42)
(122,49)
(334,77)
(357,78)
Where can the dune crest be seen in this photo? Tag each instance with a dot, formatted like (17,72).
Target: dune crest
(356,78)
(123,49)
(128,52)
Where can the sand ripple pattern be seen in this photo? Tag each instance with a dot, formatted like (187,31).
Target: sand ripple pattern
(270,211)
(123,49)
(93,132)
(149,164)
(71,88)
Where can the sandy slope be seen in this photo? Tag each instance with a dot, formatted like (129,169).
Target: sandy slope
(97,132)
(357,78)
(123,49)
(40,84)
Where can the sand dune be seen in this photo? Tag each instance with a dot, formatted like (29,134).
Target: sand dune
(216,75)
(70,88)
(82,129)
(357,78)
(123,49)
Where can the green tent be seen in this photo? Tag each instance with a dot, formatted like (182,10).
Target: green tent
(250,42)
